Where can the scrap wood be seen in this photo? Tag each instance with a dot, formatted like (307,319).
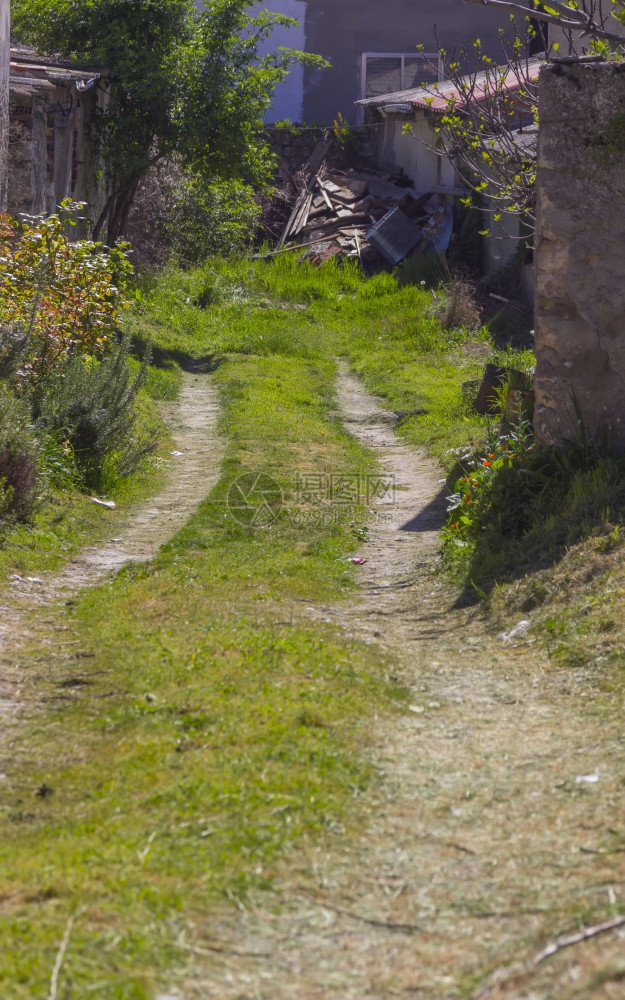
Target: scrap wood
(294,213)
(332,224)
(319,154)
(302,216)
(324,194)
(293,246)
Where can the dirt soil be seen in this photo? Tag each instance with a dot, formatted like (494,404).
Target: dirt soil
(497,824)
(136,535)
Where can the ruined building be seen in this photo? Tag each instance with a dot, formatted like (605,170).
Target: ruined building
(52,149)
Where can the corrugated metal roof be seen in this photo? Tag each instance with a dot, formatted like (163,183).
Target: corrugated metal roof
(26,60)
(436,97)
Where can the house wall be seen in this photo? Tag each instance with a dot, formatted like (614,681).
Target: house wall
(341,30)
(414,151)
(579,260)
(51,155)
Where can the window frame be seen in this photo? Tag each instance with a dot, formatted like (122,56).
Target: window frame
(433,57)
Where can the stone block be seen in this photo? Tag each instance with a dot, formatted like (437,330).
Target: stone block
(580,250)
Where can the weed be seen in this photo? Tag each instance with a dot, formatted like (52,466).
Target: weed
(460,310)
(92,404)
(18,461)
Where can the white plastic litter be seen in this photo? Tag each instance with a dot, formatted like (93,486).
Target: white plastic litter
(519,630)
(104,503)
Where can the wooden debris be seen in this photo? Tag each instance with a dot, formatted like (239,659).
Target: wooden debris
(334,208)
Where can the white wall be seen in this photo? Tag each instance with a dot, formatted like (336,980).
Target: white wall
(415,153)
(289,96)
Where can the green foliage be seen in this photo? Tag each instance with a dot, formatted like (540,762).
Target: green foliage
(186,82)
(92,404)
(18,460)
(495,491)
(66,297)
(210,219)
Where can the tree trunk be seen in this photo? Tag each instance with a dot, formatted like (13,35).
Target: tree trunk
(114,215)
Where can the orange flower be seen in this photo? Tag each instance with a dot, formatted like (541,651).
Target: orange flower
(454,525)
(491,456)
(487,464)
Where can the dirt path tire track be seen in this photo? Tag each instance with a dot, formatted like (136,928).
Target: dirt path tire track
(479,843)
(136,535)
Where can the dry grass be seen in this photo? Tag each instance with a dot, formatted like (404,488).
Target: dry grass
(461,309)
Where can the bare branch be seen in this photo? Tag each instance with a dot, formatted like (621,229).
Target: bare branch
(570,20)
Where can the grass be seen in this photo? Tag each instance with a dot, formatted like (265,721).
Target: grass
(212,727)
(389,332)
(202,719)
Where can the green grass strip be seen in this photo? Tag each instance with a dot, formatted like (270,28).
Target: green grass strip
(217,722)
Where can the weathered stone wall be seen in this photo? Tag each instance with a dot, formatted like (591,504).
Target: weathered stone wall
(294,144)
(5,60)
(580,251)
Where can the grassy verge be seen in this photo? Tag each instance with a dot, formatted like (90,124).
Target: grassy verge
(201,718)
(214,725)
(391,335)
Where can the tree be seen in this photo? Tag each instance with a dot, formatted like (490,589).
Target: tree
(185,83)
(484,123)
(595,19)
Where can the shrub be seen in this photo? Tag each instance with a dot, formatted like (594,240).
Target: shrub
(14,345)
(18,459)
(461,310)
(67,294)
(191,219)
(92,403)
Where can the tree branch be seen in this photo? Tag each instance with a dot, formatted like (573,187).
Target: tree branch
(573,20)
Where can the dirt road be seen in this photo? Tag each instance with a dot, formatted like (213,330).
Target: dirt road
(136,535)
(497,824)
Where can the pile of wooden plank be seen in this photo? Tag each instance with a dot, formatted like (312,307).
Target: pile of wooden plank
(335,208)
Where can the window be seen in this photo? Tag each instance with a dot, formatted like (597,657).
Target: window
(389,72)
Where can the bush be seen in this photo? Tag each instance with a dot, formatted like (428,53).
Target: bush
(190,219)
(66,295)
(461,310)
(18,459)
(14,345)
(92,404)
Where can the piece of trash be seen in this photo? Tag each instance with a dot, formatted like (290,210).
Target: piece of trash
(587,779)
(517,632)
(34,579)
(417,709)
(176,453)
(358,560)
(117,539)
(104,503)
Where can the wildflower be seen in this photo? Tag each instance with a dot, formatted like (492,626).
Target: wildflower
(467,496)
(485,463)
(454,525)
(491,456)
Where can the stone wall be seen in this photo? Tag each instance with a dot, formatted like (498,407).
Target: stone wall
(580,251)
(294,144)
